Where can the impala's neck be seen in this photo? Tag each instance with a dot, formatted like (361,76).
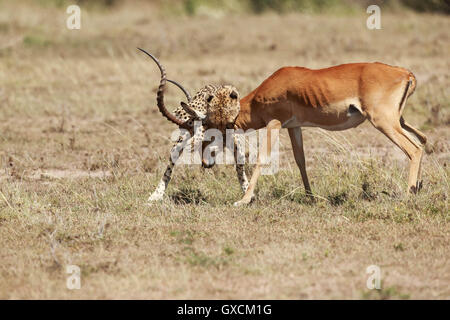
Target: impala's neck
(248,119)
(244,120)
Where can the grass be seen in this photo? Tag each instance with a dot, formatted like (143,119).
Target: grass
(82,146)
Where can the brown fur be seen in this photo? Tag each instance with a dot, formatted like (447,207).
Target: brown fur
(293,97)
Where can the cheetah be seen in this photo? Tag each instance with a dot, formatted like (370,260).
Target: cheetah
(213,106)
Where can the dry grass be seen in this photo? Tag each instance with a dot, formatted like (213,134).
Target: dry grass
(82,146)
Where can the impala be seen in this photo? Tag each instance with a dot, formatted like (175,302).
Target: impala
(335,98)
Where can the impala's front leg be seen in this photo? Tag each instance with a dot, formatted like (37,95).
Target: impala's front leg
(273,127)
(174,155)
(239,158)
(299,154)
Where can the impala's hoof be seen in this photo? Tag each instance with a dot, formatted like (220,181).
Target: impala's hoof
(415,189)
(244,201)
(419,185)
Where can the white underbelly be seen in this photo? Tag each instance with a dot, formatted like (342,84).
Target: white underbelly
(353,120)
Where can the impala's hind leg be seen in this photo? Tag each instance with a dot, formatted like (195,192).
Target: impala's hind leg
(409,143)
(299,154)
(174,155)
(419,139)
(419,135)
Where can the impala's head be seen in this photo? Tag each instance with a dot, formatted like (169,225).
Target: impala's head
(216,106)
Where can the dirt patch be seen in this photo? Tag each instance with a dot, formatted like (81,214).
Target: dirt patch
(43,174)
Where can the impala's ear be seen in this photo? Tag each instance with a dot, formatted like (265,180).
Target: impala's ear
(192,112)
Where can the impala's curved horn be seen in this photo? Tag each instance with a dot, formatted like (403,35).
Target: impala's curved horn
(186,93)
(160,95)
(189,110)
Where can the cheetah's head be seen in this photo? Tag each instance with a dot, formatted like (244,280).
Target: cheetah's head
(217,106)
(222,108)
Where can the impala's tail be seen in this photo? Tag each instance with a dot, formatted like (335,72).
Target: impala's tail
(409,90)
(413,80)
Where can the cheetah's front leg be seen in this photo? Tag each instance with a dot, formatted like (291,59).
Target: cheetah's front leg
(175,153)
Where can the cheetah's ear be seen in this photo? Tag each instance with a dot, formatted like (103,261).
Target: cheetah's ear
(192,112)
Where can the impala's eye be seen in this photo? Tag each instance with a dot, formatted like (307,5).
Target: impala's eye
(209,98)
(233,95)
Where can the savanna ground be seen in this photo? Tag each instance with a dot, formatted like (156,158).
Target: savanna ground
(82,145)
